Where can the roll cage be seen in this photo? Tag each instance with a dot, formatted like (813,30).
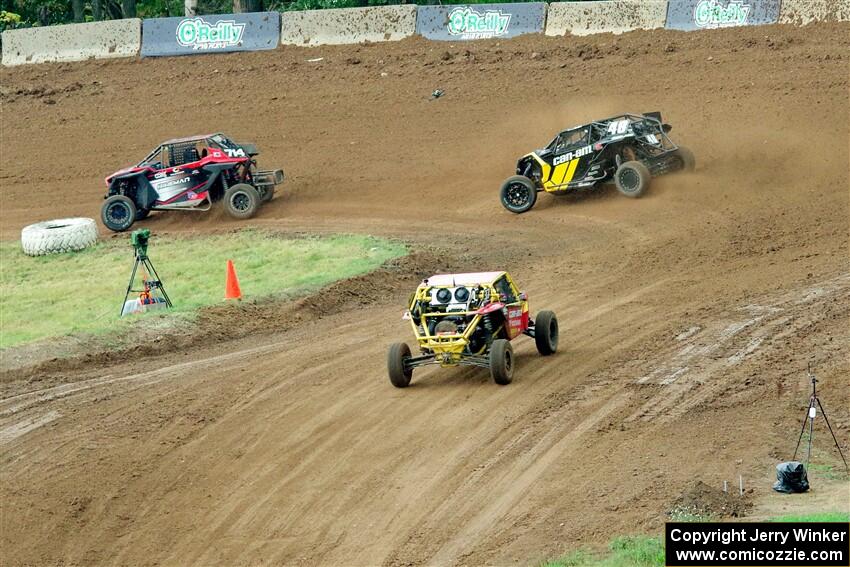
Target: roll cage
(474,311)
(464,300)
(613,129)
(187,150)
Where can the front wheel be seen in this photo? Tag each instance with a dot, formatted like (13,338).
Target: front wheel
(118,213)
(546,333)
(241,201)
(502,362)
(686,156)
(518,194)
(399,374)
(632,179)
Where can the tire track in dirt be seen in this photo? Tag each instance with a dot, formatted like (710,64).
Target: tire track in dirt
(288,446)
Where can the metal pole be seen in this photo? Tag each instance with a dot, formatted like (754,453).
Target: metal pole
(837,446)
(150,267)
(803,429)
(811,434)
(130,285)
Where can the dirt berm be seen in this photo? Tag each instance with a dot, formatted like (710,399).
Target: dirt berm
(687,317)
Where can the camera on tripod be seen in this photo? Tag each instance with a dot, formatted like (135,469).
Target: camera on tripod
(152,294)
(139,240)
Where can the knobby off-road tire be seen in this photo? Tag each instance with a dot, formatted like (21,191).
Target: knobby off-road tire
(546,333)
(118,213)
(399,375)
(241,201)
(632,179)
(518,194)
(57,236)
(502,362)
(689,162)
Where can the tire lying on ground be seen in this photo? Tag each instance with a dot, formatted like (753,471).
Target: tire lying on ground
(57,236)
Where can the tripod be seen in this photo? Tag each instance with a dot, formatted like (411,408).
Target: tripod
(810,416)
(140,245)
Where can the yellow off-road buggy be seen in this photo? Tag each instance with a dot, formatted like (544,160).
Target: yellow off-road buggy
(470,319)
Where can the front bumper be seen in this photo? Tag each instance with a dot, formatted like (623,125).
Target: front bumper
(269,177)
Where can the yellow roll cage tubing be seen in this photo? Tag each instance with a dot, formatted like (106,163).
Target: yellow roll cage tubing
(455,343)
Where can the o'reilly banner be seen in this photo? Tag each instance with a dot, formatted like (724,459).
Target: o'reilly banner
(480,21)
(713,14)
(210,34)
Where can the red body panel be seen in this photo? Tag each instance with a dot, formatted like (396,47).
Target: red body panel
(490,307)
(515,320)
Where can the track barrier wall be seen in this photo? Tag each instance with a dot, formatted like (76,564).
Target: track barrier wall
(480,21)
(347,25)
(267,30)
(615,16)
(712,14)
(801,12)
(73,42)
(220,33)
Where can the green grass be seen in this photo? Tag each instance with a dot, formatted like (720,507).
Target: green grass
(624,551)
(81,293)
(828,472)
(646,551)
(817,517)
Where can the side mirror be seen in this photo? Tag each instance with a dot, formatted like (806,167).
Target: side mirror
(523,296)
(666,128)
(406,316)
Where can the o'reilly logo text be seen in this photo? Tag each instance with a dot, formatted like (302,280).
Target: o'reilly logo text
(199,34)
(713,14)
(472,24)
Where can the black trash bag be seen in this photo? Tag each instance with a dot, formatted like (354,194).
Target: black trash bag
(791,478)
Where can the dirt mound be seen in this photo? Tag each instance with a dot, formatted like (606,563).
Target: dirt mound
(273,436)
(701,500)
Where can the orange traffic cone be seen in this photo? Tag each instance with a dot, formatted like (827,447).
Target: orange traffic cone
(231,283)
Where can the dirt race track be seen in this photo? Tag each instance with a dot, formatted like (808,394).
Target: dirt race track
(687,317)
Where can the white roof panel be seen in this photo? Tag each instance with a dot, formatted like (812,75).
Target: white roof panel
(471,278)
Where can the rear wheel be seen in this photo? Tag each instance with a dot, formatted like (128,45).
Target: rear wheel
(142,214)
(546,333)
(118,213)
(502,362)
(518,194)
(632,179)
(399,375)
(689,162)
(241,201)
